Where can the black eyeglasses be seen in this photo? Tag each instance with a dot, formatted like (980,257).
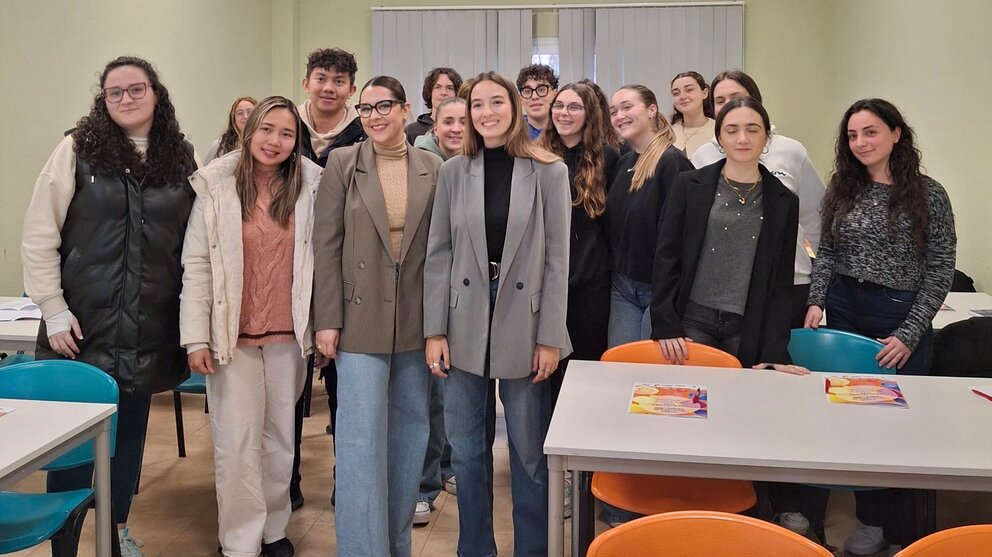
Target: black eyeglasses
(541,90)
(382,107)
(115,95)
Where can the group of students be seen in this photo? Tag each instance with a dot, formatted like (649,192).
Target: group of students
(426,266)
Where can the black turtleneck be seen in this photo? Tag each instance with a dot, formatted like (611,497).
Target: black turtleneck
(498,170)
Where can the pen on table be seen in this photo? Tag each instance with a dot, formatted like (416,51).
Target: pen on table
(986,396)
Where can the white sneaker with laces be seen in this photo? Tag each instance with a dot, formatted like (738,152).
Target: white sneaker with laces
(421,516)
(568,496)
(795,522)
(866,540)
(127,544)
(449,484)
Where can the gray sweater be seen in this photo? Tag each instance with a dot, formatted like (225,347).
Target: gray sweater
(864,248)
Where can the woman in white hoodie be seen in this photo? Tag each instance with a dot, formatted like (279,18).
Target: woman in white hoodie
(245,319)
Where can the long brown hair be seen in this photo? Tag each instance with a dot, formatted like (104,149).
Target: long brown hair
(850,177)
(610,135)
(589,178)
(518,142)
(287,183)
(229,139)
(647,163)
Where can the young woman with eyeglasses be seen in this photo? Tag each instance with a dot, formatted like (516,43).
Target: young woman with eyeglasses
(692,114)
(230,139)
(376,198)
(634,205)
(496,286)
(101,249)
(245,319)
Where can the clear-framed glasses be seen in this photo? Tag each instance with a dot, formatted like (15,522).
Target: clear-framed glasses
(571,108)
(382,107)
(243,113)
(115,95)
(541,90)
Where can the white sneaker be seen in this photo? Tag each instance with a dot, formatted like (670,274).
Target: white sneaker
(568,496)
(795,522)
(866,540)
(421,516)
(449,484)
(128,547)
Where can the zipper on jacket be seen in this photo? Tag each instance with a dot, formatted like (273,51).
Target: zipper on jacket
(120,306)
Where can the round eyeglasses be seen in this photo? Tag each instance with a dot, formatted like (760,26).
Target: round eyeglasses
(115,95)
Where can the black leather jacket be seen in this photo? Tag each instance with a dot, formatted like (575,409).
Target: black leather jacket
(122,275)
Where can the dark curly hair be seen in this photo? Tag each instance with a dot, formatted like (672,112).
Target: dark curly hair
(590,185)
(537,72)
(431,80)
(107,148)
(332,59)
(850,177)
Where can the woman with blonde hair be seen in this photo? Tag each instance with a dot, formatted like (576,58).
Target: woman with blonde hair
(495,293)
(231,138)
(635,203)
(245,319)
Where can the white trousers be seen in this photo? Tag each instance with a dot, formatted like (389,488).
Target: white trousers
(252,416)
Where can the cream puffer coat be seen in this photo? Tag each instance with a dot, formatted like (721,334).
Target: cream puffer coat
(213,265)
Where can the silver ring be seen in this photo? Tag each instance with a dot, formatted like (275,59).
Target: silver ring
(435,364)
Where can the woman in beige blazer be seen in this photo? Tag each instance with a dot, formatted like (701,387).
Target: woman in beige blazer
(495,291)
(370,241)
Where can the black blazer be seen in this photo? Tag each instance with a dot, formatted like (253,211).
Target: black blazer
(767,313)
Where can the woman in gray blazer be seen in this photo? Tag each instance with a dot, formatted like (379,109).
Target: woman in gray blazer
(495,292)
(370,241)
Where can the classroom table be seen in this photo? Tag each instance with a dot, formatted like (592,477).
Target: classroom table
(37,432)
(17,335)
(764,426)
(961,305)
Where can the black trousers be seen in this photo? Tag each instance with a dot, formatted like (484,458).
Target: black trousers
(330,376)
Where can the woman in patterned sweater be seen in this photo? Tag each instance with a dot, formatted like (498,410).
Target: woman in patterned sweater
(885,265)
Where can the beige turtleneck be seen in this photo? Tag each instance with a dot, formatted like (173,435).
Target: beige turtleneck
(391,164)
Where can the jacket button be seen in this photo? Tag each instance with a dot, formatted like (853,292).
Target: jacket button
(466,282)
(520,286)
(219,302)
(358,300)
(361,264)
(213,246)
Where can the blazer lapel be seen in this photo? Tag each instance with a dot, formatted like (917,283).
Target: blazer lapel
(523,184)
(474,207)
(370,190)
(418,195)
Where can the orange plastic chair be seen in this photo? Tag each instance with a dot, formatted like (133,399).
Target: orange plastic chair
(697,533)
(966,541)
(645,494)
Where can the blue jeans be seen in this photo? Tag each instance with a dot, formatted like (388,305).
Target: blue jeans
(437,463)
(381,433)
(465,415)
(630,310)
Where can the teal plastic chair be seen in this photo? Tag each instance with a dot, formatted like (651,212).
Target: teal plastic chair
(197,385)
(28,519)
(834,351)
(15,359)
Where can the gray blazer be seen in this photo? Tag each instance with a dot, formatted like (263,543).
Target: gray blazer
(533,284)
(358,288)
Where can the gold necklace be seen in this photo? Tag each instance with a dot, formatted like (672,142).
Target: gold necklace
(742,197)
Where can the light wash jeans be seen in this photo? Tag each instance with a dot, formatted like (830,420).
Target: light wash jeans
(381,438)
(630,310)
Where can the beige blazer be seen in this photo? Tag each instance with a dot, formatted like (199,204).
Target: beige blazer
(377,304)
(213,261)
(533,287)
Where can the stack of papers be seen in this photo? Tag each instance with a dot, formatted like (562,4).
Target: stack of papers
(21,308)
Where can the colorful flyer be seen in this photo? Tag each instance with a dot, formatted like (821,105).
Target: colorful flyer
(875,391)
(684,401)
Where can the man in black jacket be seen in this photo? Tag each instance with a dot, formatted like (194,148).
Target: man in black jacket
(439,84)
(331,122)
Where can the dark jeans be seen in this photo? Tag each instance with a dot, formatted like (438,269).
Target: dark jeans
(125,467)
(330,376)
(713,327)
(876,311)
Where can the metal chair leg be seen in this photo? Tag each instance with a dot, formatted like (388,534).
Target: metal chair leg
(177,399)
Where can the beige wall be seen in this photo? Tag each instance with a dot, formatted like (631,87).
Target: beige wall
(810,57)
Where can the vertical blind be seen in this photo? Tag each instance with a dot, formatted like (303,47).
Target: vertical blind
(407,44)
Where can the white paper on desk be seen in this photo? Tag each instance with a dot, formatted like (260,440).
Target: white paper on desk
(21,308)
(4,410)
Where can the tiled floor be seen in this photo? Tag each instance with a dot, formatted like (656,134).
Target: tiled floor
(175,512)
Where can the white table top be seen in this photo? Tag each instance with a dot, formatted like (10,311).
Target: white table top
(36,427)
(18,335)
(961,304)
(770,420)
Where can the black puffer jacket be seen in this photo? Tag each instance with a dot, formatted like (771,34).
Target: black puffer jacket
(351,134)
(121,277)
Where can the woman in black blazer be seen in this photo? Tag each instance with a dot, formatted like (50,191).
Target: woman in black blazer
(726,249)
